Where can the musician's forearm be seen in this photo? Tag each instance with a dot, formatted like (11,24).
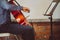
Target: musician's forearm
(8,6)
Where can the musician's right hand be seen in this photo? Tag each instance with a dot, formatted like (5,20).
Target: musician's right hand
(25,9)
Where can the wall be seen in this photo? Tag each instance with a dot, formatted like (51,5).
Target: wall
(38,8)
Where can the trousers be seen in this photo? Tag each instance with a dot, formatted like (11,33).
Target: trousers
(27,32)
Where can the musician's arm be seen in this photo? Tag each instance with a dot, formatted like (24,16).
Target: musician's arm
(8,6)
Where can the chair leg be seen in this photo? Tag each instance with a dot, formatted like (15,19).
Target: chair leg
(18,37)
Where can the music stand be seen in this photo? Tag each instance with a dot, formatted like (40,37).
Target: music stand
(51,18)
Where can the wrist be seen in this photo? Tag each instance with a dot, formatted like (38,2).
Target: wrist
(21,7)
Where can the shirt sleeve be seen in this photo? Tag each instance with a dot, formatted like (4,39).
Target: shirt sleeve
(8,6)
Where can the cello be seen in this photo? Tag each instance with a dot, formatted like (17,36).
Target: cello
(18,15)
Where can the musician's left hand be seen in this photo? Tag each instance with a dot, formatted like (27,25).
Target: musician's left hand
(25,9)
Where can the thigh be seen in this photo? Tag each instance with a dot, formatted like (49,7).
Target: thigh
(16,28)
(3,28)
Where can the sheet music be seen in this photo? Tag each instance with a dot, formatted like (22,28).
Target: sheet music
(51,7)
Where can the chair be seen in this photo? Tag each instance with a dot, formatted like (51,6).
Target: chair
(8,36)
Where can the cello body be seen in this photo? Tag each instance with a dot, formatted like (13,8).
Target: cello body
(18,15)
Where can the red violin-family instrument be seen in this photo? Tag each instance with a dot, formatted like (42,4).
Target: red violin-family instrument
(18,15)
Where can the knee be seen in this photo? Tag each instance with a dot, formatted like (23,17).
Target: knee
(29,28)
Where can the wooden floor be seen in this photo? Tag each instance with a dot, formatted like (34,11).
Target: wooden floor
(42,31)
